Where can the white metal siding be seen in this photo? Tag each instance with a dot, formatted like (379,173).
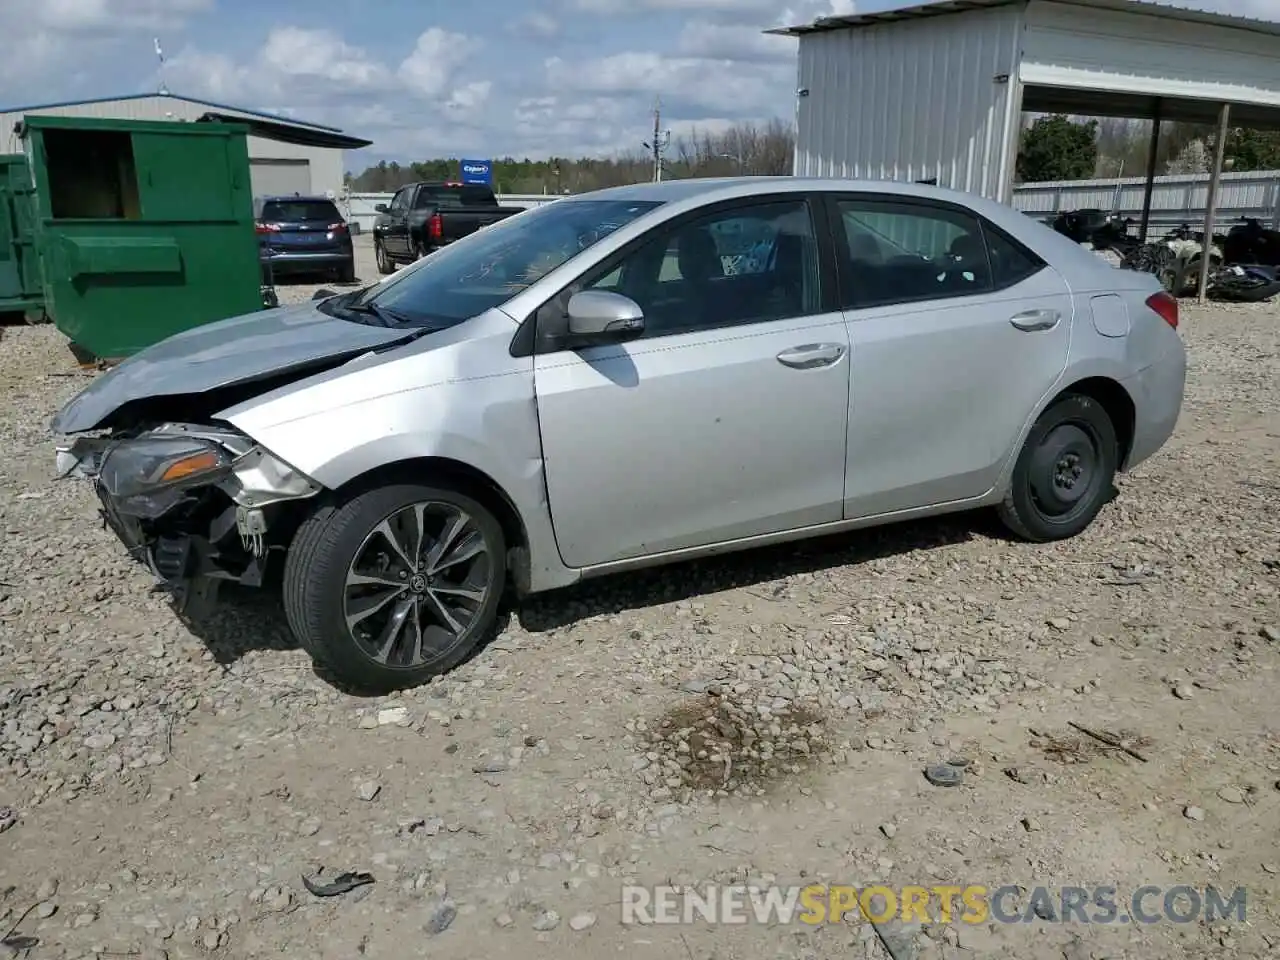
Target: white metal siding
(279,177)
(1174,200)
(326,165)
(1067,46)
(912,100)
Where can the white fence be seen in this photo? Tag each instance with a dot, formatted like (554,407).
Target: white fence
(359,207)
(1174,200)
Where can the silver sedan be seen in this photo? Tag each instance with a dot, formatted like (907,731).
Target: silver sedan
(620,379)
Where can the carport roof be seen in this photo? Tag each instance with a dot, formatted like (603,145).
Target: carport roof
(290,132)
(943,7)
(1115,100)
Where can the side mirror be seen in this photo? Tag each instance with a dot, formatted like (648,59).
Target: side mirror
(324,293)
(599,315)
(380,208)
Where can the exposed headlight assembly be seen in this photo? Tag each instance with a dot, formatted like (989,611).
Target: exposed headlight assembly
(146,475)
(149,464)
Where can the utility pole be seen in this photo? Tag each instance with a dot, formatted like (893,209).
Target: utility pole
(661,140)
(164,89)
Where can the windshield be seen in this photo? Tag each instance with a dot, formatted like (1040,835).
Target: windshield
(489,267)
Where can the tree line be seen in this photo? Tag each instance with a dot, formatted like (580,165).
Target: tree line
(1058,147)
(747,149)
(1054,147)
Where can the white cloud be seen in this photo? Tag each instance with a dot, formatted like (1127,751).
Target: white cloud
(470,97)
(318,67)
(294,63)
(419,106)
(294,53)
(722,86)
(114,16)
(762,11)
(538,24)
(436,57)
(51,41)
(701,39)
(736,7)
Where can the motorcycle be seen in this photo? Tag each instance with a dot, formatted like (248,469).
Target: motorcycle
(1244,284)
(1251,243)
(1174,259)
(1103,230)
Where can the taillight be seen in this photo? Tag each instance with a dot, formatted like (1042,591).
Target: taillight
(435,227)
(266,227)
(337,228)
(1165,305)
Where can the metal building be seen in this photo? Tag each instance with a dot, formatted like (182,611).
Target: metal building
(938,89)
(285,155)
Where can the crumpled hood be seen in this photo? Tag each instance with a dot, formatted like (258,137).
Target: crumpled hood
(222,354)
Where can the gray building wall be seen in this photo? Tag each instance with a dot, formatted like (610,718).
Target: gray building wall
(274,167)
(911,100)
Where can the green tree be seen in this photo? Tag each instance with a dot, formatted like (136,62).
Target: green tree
(1055,148)
(1254,149)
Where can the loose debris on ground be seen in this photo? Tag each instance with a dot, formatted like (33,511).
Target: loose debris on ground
(757,719)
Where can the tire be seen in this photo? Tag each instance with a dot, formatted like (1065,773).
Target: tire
(385,264)
(344,539)
(1072,443)
(419,251)
(347,272)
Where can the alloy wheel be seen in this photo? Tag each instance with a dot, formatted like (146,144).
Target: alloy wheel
(417,584)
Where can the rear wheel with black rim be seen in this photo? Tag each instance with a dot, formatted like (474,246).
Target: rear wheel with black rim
(1065,472)
(385,266)
(396,585)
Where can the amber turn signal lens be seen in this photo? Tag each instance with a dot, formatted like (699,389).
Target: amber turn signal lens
(188,466)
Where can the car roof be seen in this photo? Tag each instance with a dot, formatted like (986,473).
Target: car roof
(708,189)
(680,195)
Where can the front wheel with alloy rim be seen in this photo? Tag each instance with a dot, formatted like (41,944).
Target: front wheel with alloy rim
(385,266)
(396,585)
(1065,472)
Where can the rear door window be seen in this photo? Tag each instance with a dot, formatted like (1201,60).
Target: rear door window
(904,250)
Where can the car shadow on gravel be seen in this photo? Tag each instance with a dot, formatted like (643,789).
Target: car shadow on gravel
(244,620)
(623,592)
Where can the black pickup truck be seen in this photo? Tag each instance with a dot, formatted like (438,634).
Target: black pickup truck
(423,217)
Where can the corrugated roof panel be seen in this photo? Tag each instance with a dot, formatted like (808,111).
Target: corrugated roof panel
(945,7)
(89,104)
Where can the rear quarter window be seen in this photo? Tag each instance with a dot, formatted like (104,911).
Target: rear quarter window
(1011,262)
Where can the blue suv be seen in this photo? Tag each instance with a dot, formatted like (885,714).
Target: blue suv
(303,235)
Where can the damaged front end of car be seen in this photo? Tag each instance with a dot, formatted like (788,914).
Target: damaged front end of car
(197,505)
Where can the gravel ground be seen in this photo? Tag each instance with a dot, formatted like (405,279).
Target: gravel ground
(763,718)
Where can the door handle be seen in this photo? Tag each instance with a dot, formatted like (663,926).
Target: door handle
(810,355)
(1031,320)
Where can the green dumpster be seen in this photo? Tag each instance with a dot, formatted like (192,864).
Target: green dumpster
(143,228)
(20,280)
